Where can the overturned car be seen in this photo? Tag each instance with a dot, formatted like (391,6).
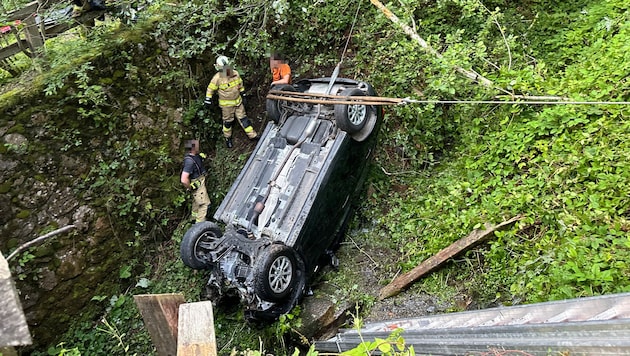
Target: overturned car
(287,209)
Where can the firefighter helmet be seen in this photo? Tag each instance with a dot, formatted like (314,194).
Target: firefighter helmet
(221,62)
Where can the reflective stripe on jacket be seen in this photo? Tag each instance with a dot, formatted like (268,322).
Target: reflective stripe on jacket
(236,102)
(229,88)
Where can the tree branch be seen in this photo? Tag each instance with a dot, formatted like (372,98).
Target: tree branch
(470,74)
(38,240)
(476,236)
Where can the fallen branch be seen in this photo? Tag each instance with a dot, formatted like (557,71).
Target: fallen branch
(470,74)
(403,281)
(39,239)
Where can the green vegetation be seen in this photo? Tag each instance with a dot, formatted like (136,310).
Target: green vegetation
(563,167)
(393,345)
(441,171)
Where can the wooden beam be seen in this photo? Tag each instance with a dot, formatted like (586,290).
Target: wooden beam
(20,14)
(160,315)
(12,49)
(403,281)
(34,42)
(33,37)
(13,327)
(63,26)
(196,330)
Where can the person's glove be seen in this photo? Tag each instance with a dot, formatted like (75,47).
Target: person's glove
(207,103)
(202,155)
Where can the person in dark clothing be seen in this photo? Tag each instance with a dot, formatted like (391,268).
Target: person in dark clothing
(193,178)
(83,6)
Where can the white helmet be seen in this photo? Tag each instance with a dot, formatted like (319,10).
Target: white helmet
(221,62)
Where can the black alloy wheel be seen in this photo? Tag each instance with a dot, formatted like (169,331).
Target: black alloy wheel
(275,107)
(276,272)
(197,244)
(357,120)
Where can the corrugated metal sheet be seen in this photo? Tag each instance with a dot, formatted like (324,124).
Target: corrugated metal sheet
(584,326)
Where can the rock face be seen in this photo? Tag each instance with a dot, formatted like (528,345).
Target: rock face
(101,151)
(36,198)
(321,317)
(13,329)
(109,179)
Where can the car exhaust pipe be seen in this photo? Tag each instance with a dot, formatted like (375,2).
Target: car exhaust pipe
(258,208)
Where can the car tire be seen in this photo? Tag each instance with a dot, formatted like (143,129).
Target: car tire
(194,245)
(276,273)
(274,107)
(356,120)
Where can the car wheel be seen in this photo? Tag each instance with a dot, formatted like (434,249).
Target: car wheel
(197,243)
(356,120)
(274,107)
(276,273)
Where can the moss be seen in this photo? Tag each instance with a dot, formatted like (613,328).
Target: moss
(52,226)
(5,187)
(23,214)
(55,263)
(44,250)
(119,74)
(106,81)
(3,149)
(24,114)
(12,243)
(39,178)
(19,128)
(10,98)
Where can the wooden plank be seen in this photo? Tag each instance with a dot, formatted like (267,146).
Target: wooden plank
(403,281)
(11,50)
(160,314)
(63,26)
(33,37)
(196,330)
(28,10)
(13,327)
(34,41)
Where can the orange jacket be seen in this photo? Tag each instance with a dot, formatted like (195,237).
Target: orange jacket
(281,71)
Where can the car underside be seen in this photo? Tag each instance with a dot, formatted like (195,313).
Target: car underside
(286,210)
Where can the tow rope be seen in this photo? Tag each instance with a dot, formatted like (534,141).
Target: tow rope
(329,99)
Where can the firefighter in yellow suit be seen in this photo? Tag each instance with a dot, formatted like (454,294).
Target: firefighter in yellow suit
(229,85)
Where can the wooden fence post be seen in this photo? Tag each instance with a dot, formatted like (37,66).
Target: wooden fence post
(160,315)
(196,330)
(33,36)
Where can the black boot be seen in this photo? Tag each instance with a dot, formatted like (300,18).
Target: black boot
(228,142)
